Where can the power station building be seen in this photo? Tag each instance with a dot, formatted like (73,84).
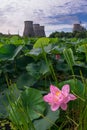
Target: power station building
(78,27)
(33,30)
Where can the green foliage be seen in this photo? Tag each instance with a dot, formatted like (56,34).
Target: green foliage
(38,69)
(30,106)
(9,52)
(41,41)
(25,80)
(31,63)
(47,121)
(82,48)
(44,42)
(16,40)
(26,108)
(32,102)
(75,34)
(68,55)
(3,104)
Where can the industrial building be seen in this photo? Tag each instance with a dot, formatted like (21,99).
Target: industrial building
(33,30)
(78,27)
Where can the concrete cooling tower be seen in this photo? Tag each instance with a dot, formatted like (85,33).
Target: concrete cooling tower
(36,28)
(78,27)
(42,32)
(33,30)
(28,29)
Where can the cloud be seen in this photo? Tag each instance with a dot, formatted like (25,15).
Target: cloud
(62,19)
(62,27)
(53,14)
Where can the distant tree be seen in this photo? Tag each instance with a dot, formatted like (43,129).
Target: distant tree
(77,34)
(53,34)
(80,34)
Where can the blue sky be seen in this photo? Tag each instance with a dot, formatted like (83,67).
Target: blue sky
(55,15)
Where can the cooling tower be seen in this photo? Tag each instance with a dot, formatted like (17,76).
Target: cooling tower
(36,28)
(28,29)
(77,27)
(42,31)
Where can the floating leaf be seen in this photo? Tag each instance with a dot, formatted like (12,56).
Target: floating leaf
(47,120)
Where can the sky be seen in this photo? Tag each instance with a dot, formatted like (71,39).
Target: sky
(55,15)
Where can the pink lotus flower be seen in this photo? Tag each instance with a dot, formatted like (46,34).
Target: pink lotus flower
(57,56)
(59,98)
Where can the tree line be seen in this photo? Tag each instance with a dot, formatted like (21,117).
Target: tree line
(76,34)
